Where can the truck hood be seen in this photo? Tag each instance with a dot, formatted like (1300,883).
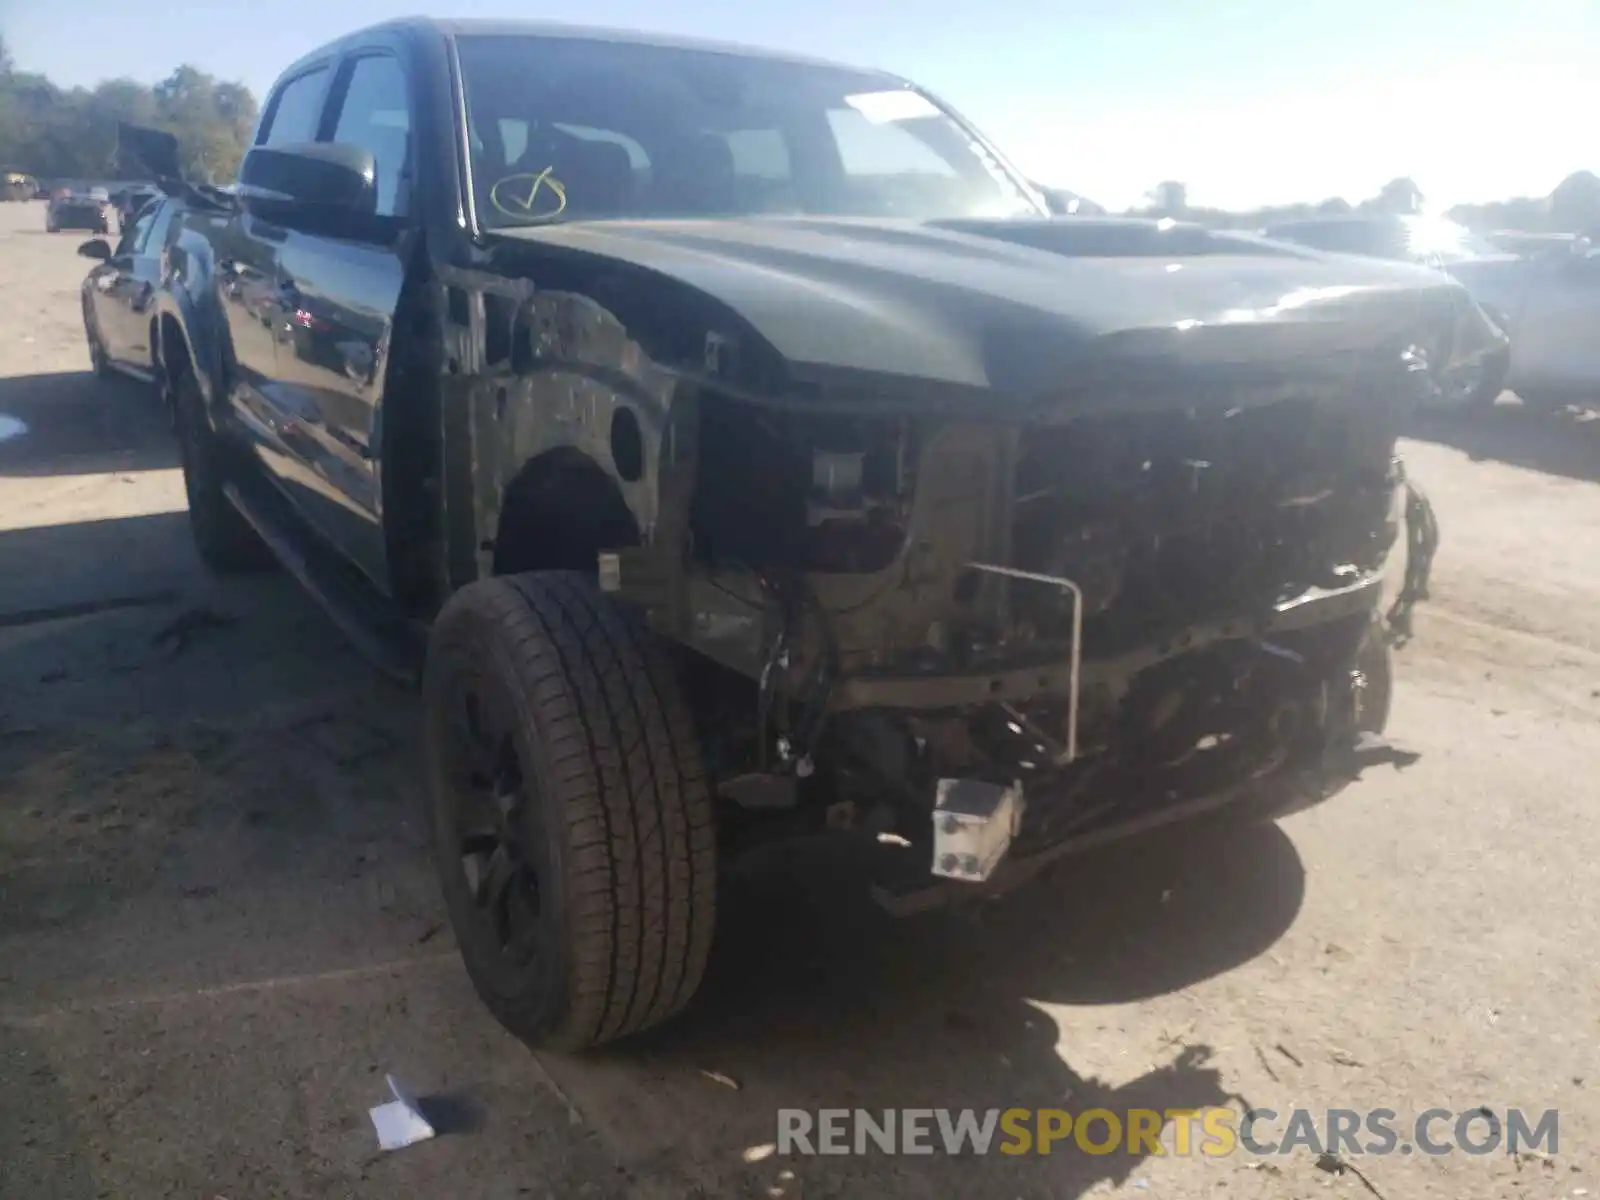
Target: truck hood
(1028,309)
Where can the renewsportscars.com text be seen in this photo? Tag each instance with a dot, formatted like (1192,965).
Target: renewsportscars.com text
(1212,1132)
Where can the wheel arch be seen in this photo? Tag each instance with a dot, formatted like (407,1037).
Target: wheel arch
(558,512)
(170,348)
(176,348)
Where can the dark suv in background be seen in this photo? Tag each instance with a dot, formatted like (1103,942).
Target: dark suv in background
(77,210)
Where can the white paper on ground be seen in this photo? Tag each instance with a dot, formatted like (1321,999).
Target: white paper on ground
(399,1122)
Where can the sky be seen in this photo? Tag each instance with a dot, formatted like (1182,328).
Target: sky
(1249,102)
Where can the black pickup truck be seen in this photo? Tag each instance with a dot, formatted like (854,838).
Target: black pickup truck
(733,448)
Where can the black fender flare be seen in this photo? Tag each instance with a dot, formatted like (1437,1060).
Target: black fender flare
(183,315)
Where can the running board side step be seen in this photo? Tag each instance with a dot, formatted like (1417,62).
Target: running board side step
(386,639)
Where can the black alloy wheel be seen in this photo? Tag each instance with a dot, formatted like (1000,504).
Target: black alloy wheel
(572,824)
(494,822)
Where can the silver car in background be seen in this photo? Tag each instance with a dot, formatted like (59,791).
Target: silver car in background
(1548,303)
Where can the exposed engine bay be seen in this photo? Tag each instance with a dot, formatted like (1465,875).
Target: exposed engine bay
(1080,620)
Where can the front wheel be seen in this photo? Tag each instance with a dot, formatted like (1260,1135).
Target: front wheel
(570,815)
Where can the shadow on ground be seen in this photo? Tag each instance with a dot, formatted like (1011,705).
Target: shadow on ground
(42,1151)
(1557,443)
(58,571)
(73,423)
(815,1000)
(244,807)
(166,735)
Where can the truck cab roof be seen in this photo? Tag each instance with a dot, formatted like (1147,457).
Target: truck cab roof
(450,28)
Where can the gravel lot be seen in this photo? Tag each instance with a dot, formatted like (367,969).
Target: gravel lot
(218,928)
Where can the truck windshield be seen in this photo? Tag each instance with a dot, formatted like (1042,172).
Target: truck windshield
(579,129)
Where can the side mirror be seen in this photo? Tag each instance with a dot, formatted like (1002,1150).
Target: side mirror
(309,178)
(96,248)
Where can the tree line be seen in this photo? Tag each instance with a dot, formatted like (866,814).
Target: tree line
(52,132)
(1572,207)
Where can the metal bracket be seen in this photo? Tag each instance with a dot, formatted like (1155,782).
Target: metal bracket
(1077,640)
(1422,543)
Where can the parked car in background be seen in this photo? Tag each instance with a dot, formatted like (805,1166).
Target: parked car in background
(1432,241)
(1530,245)
(1548,304)
(73,210)
(119,314)
(17,186)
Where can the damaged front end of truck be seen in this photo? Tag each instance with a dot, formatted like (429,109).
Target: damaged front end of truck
(982,633)
(991,640)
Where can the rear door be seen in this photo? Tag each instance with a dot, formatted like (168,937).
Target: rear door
(340,295)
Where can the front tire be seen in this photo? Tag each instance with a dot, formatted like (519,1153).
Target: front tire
(571,821)
(225,540)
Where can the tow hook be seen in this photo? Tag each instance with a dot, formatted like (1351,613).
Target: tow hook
(974,824)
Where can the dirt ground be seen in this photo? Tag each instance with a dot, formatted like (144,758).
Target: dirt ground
(218,927)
